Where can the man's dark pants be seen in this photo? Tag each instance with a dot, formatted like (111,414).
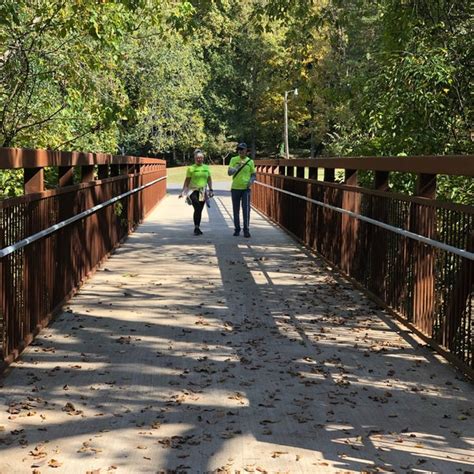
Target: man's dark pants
(241,196)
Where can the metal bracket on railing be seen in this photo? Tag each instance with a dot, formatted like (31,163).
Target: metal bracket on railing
(396,230)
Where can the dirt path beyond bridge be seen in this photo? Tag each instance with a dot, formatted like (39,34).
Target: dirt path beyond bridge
(224,354)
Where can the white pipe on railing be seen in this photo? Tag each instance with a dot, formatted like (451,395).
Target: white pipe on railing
(50,230)
(411,235)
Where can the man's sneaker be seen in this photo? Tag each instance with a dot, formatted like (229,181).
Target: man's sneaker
(236,233)
(246,234)
(197,231)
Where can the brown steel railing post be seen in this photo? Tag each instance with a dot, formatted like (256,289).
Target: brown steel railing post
(349,226)
(423,222)
(87,173)
(312,173)
(377,242)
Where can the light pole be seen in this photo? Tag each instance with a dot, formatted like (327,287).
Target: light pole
(287,149)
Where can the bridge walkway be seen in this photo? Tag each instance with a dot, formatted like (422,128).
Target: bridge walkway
(224,354)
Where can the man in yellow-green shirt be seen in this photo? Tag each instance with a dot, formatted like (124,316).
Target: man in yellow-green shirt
(242,170)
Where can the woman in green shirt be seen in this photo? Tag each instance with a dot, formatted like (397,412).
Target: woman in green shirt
(198,177)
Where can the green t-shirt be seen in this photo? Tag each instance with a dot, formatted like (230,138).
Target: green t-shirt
(241,181)
(199,175)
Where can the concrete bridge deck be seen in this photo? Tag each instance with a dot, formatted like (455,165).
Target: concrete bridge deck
(223,354)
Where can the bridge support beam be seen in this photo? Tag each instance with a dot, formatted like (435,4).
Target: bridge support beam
(350,177)
(33,180)
(65,176)
(87,173)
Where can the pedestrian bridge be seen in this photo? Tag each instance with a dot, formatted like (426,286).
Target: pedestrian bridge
(325,343)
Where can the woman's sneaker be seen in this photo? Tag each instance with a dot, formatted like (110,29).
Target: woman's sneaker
(197,231)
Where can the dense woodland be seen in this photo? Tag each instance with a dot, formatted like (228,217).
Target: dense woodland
(160,77)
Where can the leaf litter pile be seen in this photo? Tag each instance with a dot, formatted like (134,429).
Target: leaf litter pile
(272,364)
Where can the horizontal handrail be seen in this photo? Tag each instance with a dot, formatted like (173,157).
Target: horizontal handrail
(17,158)
(438,204)
(50,230)
(462,165)
(397,230)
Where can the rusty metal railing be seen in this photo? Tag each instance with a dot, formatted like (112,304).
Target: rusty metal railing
(426,281)
(51,240)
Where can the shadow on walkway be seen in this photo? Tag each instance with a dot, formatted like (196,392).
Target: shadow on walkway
(197,354)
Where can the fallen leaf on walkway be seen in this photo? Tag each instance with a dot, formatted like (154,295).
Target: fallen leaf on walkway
(277,454)
(54,463)
(69,407)
(39,452)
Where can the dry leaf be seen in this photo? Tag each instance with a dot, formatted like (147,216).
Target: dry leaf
(54,463)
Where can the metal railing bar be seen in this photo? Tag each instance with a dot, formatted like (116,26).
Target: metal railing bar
(50,230)
(397,230)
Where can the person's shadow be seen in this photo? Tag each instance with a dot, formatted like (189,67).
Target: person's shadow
(295,378)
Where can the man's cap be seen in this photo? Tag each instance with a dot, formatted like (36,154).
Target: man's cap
(241,146)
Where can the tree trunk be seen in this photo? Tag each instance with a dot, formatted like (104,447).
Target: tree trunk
(310,105)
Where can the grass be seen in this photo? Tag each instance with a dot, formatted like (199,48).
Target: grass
(218,173)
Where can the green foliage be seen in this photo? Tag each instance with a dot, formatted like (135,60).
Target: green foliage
(163,85)
(11,183)
(148,77)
